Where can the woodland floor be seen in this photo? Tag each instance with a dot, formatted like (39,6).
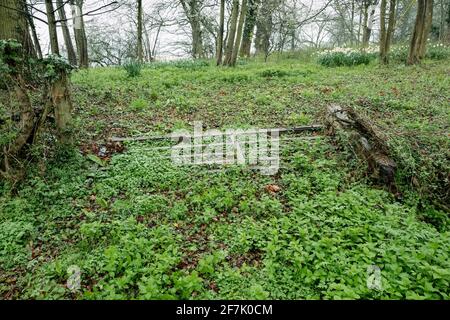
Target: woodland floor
(139,227)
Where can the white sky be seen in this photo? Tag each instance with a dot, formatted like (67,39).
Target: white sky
(117,21)
(114,21)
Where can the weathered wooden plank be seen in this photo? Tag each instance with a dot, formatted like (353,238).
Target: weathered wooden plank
(310,128)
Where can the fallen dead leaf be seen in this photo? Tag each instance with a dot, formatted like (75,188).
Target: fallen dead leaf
(273,188)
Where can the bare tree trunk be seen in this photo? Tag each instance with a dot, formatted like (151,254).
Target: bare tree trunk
(37,45)
(264,27)
(441,20)
(156,42)
(352,22)
(192,10)
(60,90)
(240,29)
(52,27)
(448,24)
(419,37)
(368,27)
(364,26)
(383,31)
(147,45)
(72,57)
(140,51)
(197,39)
(391,25)
(361,13)
(14,23)
(232,33)
(427,28)
(250,22)
(219,52)
(386,34)
(80,33)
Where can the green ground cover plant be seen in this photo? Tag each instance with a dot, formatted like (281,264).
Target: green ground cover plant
(138,227)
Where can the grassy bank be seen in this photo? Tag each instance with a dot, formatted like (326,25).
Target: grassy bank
(138,227)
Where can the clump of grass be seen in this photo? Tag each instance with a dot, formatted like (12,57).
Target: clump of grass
(138,105)
(236,78)
(133,68)
(274,73)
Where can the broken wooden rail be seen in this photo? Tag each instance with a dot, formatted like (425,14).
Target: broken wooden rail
(310,128)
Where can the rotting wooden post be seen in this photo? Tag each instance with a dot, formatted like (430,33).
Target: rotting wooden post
(60,95)
(367,143)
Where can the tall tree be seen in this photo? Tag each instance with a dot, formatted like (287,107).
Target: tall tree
(37,45)
(428,24)
(369,16)
(140,50)
(448,23)
(421,30)
(219,50)
(80,33)
(386,33)
(52,27)
(232,32)
(264,26)
(352,21)
(250,23)
(59,88)
(71,56)
(192,10)
(240,28)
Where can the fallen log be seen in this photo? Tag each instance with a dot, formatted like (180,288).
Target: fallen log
(367,143)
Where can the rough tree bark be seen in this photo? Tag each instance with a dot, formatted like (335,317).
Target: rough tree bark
(371,6)
(240,29)
(60,89)
(140,50)
(52,27)
(383,30)
(37,45)
(420,33)
(192,10)
(219,51)
(386,34)
(14,24)
(264,26)
(367,142)
(427,27)
(391,24)
(250,23)
(448,24)
(71,55)
(232,33)
(80,33)
(352,22)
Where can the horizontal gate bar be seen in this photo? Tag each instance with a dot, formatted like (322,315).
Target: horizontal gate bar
(312,128)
